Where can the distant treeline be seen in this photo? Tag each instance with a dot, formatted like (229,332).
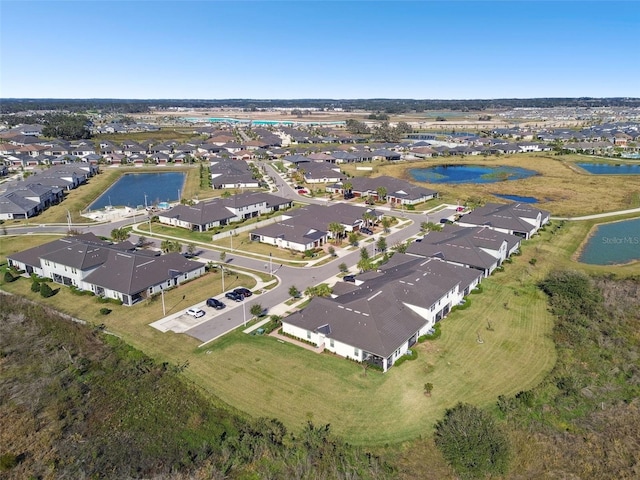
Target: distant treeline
(382,105)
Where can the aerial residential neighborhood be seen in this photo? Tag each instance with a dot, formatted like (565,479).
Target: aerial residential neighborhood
(319,240)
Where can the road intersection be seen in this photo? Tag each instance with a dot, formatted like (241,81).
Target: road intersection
(214,325)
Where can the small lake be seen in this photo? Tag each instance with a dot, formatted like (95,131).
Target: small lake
(613,243)
(469,174)
(131,188)
(610,168)
(517,198)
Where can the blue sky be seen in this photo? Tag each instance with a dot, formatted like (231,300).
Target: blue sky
(330,49)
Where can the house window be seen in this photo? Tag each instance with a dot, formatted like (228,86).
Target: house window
(356,352)
(331,342)
(308,335)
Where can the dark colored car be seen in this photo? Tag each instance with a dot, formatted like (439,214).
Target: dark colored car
(349,278)
(366,230)
(245,292)
(215,303)
(234,296)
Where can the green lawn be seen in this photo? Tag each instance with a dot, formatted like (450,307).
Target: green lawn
(264,377)
(296,385)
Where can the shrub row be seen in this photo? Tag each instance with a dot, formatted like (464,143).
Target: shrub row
(436,334)
(407,356)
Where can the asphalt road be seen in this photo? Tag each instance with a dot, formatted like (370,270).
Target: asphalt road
(300,277)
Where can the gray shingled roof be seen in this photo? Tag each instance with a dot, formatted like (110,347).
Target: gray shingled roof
(376,316)
(462,251)
(507,216)
(131,273)
(291,232)
(219,209)
(320,216)
(32,255)
(395,187)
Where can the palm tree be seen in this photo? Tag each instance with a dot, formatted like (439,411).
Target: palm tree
(119,234)
(347,187)
(168,246)
(337,230)
(382,193)
(369,218)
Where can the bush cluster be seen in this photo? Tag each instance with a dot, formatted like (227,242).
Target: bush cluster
(407,356)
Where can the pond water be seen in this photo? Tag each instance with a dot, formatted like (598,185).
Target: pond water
(469,174)
(517,198)
(610,168)
(613,243)
(130,190)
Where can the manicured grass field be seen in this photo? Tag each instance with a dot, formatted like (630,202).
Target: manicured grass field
(264,377)
(498,346)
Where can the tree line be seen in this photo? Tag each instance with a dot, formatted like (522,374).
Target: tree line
(381,106)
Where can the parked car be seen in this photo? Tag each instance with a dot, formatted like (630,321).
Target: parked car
(348,196)
(460,209)
(349,278)
(245,292)
(195,312)
(366,230)
(234,296)
(215,303)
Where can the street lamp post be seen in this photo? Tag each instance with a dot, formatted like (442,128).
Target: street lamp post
(244,313)
(68,220)
(270,266)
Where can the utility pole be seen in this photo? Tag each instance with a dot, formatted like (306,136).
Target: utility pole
(270,266)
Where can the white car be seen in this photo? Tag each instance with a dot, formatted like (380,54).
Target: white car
(195,312)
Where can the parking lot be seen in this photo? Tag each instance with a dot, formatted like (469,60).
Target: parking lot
(182,321)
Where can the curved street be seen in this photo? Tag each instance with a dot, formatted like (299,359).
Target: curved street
(273,300)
